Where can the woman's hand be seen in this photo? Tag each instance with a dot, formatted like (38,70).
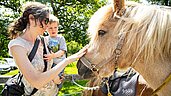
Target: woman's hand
(77,55)
(58,79)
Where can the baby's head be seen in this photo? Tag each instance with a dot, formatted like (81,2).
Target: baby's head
(53,25)
(53,19)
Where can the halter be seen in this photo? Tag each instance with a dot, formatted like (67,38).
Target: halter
(117,52)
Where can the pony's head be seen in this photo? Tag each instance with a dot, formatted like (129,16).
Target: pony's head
(123,36)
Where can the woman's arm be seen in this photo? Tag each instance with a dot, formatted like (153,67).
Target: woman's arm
(34,77)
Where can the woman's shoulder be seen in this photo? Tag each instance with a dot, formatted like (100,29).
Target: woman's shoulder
(17,41)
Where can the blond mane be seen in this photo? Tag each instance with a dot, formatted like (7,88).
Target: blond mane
(147,30)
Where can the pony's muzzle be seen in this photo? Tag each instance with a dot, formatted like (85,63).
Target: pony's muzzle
(83,71)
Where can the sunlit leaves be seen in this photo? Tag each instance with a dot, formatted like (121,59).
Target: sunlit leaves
(74,16)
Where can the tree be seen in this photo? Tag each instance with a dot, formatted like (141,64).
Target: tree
(9,9)
(11,4)
(73,15)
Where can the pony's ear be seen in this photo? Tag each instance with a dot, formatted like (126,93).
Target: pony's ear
(119,7)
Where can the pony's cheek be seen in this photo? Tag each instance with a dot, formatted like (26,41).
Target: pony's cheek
(90,55)
(106,71)
(123,65)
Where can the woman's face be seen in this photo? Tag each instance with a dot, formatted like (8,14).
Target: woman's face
(38,27)
(53,29)
(45,23)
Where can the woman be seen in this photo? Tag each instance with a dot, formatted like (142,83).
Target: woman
(24,32)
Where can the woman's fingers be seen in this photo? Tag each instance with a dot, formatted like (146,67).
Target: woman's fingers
(82,51)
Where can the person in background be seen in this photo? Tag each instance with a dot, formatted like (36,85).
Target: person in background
(56,44)
(24,31)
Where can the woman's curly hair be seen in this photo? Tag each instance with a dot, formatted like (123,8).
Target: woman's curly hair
(38,10)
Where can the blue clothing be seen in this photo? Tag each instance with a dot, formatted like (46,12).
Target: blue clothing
(56,44)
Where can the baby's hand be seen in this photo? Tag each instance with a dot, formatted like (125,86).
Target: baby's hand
(49,57)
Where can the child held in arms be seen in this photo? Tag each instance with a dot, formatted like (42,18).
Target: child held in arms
(56,44)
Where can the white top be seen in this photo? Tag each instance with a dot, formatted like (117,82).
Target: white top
(48,90)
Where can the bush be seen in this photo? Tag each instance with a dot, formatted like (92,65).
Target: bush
(73,47)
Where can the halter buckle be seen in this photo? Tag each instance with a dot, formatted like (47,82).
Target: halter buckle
(94,68)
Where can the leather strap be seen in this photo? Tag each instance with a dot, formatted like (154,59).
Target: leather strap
(34,50)
(44,52)
(45,62)
(31,56)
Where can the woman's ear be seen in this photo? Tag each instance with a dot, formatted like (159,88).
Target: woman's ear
(32,20)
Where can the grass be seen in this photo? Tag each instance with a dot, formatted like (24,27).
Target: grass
(13,72)
(71,69)
(68,88)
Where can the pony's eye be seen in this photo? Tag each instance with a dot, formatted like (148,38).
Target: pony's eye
(101,32)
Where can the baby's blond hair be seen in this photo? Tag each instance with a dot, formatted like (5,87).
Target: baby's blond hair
(53,18)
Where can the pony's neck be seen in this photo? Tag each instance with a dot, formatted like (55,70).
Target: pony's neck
(155,74)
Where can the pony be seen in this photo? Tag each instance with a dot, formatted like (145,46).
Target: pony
(127,34)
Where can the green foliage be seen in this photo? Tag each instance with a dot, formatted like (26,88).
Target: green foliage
(3,34)
(71,88)
(71,68)
(15,5)
(1,87)
(4,38)
(8,11)
(73,47)
(74,16)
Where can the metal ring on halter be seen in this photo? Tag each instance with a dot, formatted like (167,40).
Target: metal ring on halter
(94,68)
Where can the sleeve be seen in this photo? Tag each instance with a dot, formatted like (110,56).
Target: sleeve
(63,44)
(15,42)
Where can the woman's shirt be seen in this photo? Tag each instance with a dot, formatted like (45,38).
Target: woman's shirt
(50,88)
